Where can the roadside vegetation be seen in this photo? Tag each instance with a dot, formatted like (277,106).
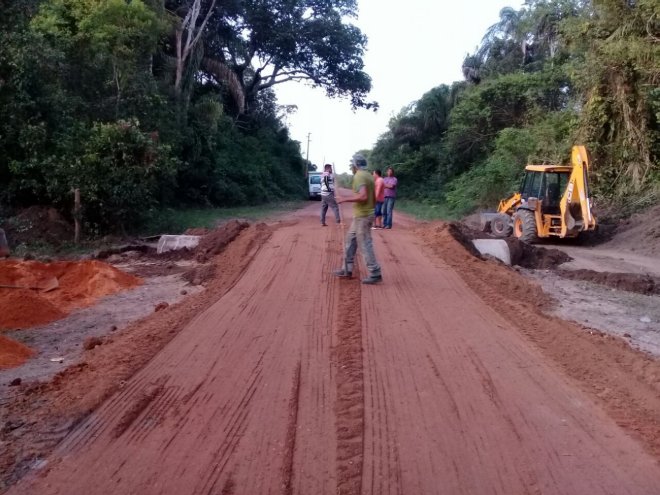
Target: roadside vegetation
(178,220)
(552,74)
(158,105)
(146,105)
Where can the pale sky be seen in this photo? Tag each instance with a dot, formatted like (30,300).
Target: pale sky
(413,47)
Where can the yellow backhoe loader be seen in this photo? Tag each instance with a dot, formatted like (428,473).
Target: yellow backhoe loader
(553,201)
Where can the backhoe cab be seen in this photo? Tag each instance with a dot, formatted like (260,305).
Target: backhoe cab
(553,201)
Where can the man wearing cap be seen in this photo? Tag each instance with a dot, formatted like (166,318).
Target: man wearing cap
(360,230)
(328,194)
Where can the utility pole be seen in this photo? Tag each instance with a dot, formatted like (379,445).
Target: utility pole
(306,171)
(308,135)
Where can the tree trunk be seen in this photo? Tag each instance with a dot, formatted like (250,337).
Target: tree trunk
(179,63)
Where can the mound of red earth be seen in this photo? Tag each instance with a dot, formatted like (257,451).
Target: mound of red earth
(13,353)
(80,284)
(217,240)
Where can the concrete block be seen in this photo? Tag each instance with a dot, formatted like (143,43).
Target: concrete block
(173,242)
(497,248)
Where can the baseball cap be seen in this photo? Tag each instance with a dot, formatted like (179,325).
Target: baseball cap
(359,161)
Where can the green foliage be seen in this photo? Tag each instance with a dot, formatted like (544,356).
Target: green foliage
(88,98)
(120,172)
(552,74)
(425,209)
(617,68)
(512,100)
(304,40)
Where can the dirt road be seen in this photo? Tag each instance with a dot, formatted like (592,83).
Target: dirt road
(297,382)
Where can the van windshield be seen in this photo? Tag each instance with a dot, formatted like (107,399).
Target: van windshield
(314,179)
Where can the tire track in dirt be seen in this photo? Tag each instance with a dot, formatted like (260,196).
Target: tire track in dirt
(287,474)
(349,379)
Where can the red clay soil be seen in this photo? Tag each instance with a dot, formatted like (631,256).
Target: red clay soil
(80,284)
(51,408)
(217,240)
(24,308)
(289,380)
(13,353)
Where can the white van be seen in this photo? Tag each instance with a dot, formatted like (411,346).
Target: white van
(314,183)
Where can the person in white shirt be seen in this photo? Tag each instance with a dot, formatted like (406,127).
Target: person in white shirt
(328,194)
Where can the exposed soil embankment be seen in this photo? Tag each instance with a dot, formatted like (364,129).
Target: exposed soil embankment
(630,282)
(522,254)
(538,257)
(640,233)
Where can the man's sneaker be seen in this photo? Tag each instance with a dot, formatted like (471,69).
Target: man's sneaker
(343,273)
(372,279)
(324,225)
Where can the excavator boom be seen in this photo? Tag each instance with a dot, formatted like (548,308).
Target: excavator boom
(575,204)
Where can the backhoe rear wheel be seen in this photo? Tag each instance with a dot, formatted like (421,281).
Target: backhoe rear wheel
(524,226)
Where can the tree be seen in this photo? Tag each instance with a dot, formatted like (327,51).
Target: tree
(617,62)
(268,43)
(188,31)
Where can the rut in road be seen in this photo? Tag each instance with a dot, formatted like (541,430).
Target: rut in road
(285,386)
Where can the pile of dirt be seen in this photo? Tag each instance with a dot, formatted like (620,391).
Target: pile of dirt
(522,254)
(37,224)
(639,233)
(13,353)
(631,282)
(535,257)
(25,309)
(217,240)
(80,285)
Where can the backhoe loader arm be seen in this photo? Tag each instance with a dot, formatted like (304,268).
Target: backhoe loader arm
(577,195)
(508,205)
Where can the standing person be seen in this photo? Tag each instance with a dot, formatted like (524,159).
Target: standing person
(390,183)
(359,233)
(380,198)
(328,194)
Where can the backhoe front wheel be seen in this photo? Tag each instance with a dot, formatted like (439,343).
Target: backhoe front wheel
(524,226)
(500,225)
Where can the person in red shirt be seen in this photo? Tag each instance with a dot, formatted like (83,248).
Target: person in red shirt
(380,198)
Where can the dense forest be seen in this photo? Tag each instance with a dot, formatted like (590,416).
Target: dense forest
(552,74)
(142,104)
(145,104)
